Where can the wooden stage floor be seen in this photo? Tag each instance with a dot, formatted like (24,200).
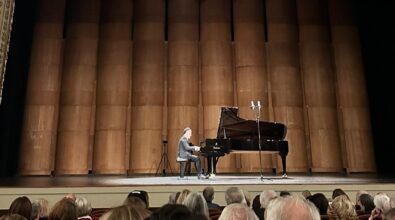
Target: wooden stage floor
(108,191)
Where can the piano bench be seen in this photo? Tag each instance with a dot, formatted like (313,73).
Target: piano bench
(183,163)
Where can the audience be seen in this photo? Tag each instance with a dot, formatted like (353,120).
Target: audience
(182,196)
(43,207)
(21,206)
(265,197)
(136,196)
(321,202)
(199,206)
(366,203)
(256,207)
(306,193)
(208,194)
(126,212)
(171,212)
(342,208)
(84,208)
(390,214)
(237,211)
(13,217)
(338,192)
(234,195)
(65,209)
(291,208)
(196,203)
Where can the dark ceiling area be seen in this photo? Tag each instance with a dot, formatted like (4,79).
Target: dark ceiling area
(376,22)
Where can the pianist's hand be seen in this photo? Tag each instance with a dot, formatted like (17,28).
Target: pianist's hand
(197,148)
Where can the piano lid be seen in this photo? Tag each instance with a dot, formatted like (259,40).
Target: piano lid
(234,127)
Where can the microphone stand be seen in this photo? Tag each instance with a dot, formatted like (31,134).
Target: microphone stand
(257,110)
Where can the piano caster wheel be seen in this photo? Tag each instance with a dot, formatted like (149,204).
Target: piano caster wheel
(284,176)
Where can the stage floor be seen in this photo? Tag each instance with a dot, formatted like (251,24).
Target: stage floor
(109,191)
(109,181)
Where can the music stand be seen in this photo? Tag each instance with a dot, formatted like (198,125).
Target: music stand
(164,160)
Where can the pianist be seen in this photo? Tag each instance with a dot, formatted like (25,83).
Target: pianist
(184,153)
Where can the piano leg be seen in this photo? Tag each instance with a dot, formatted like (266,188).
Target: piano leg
(284,162)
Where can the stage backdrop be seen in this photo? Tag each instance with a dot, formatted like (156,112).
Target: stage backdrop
(112,83)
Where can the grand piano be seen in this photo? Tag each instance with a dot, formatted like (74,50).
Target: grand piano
(236,134)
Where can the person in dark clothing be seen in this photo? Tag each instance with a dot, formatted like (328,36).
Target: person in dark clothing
(208,194)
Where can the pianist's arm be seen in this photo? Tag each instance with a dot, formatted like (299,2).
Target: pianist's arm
(186,147)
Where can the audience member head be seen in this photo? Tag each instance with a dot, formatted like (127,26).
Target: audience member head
(84,207)
(358,194)
(135,201)
(141,194)
(208,194)
(65,209)
(366,203)
(256,204)
(171,212)
(392,202)
(338,192)
(184,193)
(247,197)
(12,217)
(291,207)
(382,201)
(21,206)
(196,203)
(234,195)
(35,210)
(70,196)
(126,212)
(390,214)
(342,208)
(237,211)
(43,207)
(172,198)
(306,193)
(285,193)
(266,196)
(321,202)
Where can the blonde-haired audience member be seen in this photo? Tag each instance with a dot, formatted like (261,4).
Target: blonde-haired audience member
(84,208)
(43,207)
(126,212)
(196,203)
(342,208)
(184,193)
(234,195)
(291,208)
(237,211)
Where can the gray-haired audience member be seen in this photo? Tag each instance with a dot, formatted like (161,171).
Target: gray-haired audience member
(306,193)
(84,207)
(172,198)
(234,195)
(36,207)
(291,207)
(392,202)
(196,203)
(208,194)
(266,196)
(382,201)
(237,211)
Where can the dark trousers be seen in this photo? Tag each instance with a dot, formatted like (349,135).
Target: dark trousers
(193,158)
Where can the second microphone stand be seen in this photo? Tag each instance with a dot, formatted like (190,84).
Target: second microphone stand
(257,110)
